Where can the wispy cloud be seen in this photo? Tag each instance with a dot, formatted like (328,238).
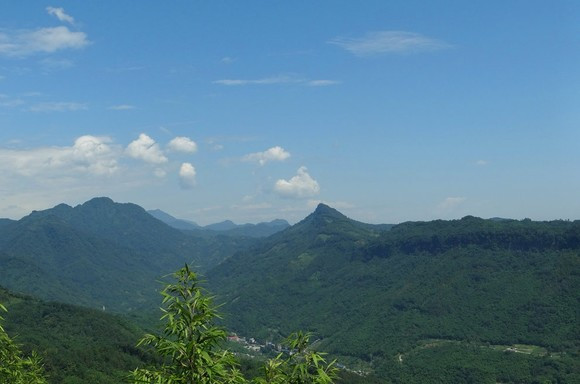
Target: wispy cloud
(122,107)
(60,14)
(282,79)
(59,106)
(481,163)
(10,102)
(389,42)
(262,81)
(322,83)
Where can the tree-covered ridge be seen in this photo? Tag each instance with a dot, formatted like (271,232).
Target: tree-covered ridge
(439,236)
(372,294)
(101,253)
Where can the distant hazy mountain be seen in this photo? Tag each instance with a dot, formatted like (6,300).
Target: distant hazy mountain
(221,226)
(172,221)
(226,227)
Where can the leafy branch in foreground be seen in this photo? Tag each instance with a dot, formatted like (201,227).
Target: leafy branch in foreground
(302,366)
(14,367)
(190,346)
(189,342)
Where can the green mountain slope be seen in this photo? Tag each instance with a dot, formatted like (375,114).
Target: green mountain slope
(372,293)
(78,345)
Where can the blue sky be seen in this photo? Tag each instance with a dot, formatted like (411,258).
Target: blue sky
(255,110)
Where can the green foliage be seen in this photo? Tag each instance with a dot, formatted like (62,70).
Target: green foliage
(14,367)
(189,343)
(301,366)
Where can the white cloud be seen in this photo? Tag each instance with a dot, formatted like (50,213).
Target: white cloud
(276,153)
(60,106)
(43,40)
(60,14)
(227,60)
(481,162)
(187,175)
(182,144)
(122,107)
(263,81)
(282,79)
(299,186)
(89,154)
(146,149)
(386,42)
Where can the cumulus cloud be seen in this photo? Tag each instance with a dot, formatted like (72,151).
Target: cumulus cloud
(300,186)
(389,42)
(182,144)
(60,14)
(187,176)
(88,154)
(44,40)
(146,149)
(276,153)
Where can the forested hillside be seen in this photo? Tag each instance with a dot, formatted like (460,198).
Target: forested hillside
(77,345)
(467,300)
(374,294)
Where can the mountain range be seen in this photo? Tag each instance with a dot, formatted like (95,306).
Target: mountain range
(100,253)
(226,227)
(413,302)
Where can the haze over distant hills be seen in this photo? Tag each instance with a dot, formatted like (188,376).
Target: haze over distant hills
(226,227)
